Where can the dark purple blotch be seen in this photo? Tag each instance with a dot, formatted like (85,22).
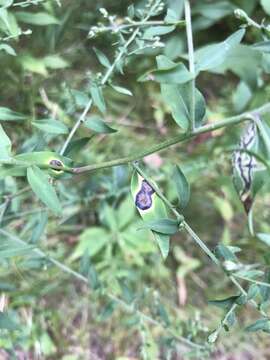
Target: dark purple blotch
(144,196)
(147,187)
(56,162)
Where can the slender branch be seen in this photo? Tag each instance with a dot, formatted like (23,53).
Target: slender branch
(115,28)
(242,15)
(258,282)
(195,237)
(105,79)
(175,140)
(234,120)
(191,63)
(127,307)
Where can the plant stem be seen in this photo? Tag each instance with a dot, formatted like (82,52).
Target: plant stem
(127,307)
(194,236)
(175,140)
(103,82)
(257,282)
(191,63)
(234,120)
(116,28)
(105,78)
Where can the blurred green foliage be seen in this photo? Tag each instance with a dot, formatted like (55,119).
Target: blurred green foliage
(50,71)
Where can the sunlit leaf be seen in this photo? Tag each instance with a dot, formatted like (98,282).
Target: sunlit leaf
(41,186)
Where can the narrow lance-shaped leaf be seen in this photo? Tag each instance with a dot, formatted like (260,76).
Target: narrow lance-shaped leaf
(41,186)
(7,114)
(260,325)
(40,18)
(163,226)
(168,72)
(102,58)
(265,238)
(182,186)
(215,55)
(8,49)
(248,175)
(51,126)
(121,90)
(177,98)
(96,124)
(5,144)
(97,96)
(151,208)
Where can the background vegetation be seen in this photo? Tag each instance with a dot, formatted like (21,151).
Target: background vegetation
(82,276)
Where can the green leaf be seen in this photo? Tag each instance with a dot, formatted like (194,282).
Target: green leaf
(8,23)
(96,124)
(122,90)
(13,249)
(241,96)
(97,97)
(10,115)
(213,11)
(5,144)
(102,58)
(249,274)
(264,132)
(215,55)
(34,65)
(168,72)
(156,211)
(212,338)
(182,186)
(177,98)
(224,303)
(266,6)
(263,46)
(125,213)
(163,226)
(225,253)
(41,157)
(55,62)
(259,325)
(51,126)
(41,186)
(252,291)
(229,321)
(245,62)
(39,18)
(39,227)
(8,49)
(153,31)
(264,238)
(88,242)
(109,218)
(7,322)
(75,146)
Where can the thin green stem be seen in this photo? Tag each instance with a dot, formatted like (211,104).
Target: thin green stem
(125,306)
(201,244)
(257,282)
(191,63)
(194,236)
(234,120)
(175,140)
(105,78)
(118,28)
